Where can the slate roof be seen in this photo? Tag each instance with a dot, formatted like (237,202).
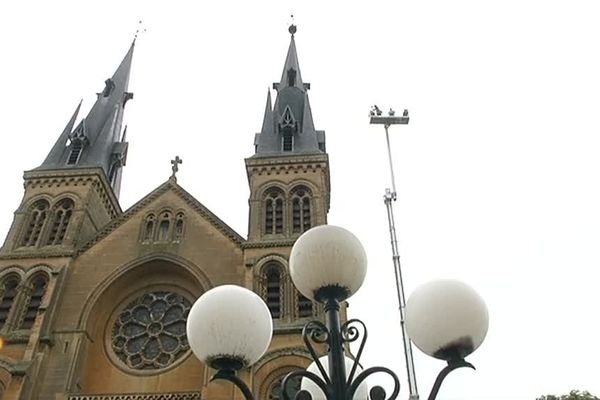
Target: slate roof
(99,133)
(290,115)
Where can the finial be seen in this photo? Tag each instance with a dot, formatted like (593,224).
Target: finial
(138,30)
(175,167)
(293,28)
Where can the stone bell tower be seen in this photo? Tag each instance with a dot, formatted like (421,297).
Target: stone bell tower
(289,184)
(68,199)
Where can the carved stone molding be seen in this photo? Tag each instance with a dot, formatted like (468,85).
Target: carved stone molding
(285,165)
(133,396)
(76,177)
(269,243)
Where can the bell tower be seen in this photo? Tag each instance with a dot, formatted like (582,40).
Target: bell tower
(289,172)
(289,184)
(74,192)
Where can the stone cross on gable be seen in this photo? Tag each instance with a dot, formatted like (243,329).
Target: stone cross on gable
(175,166)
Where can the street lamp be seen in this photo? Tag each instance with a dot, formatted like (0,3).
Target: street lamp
(229,327)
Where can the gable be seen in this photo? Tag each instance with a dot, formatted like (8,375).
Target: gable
(167,197)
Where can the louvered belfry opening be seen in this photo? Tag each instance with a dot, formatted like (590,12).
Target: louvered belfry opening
(274,212)
(61,217)
(273,291)
(37,218)
(38,288)
(301,218)
(9,289)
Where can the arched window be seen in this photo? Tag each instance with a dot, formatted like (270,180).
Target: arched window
(292,388)
(273,292)
(274,211)
(305,306)
(9,289)
(178,234)
(62,215)
(38,287)
(163,227)
(148,232)
(301,209)
(35,223)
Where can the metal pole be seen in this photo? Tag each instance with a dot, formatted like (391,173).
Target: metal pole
(337,362)
(391,195)
(410,366)
(389,149)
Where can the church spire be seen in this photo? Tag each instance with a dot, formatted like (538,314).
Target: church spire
(291,70)
(288,127)
(97,140)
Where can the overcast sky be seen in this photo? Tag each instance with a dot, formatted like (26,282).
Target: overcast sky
(497,172)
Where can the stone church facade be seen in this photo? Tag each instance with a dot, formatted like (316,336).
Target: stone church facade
(93,299)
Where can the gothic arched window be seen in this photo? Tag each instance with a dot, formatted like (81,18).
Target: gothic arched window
(163,227)
(148,231)
(178,234)
(37,286)
(9,288)
(62,215)
(38,214)
(274,211)
(273,290)
(301,221)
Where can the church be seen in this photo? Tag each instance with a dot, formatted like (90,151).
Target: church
(94,298)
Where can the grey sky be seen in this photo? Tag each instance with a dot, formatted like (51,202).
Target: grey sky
(497,172)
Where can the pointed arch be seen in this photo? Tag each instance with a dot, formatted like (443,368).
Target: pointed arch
(165,220)
(274,211)
(112,295)
(36,219)
(179,226)
(274,366)
(273,288)
(148,227)
(301,209)
(36,289)
(9,288)
(61,215)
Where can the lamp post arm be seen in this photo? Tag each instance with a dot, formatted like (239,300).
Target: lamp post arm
(452,365)
(304,394)
(377,392)
(229,375)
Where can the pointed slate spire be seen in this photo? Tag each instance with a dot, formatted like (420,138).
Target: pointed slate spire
(59,147)
(96,141)
(289,127)
(291,70)
(268,118)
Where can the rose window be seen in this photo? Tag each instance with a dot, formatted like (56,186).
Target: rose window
(149,332)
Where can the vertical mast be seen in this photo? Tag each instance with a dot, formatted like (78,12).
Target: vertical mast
(391,195)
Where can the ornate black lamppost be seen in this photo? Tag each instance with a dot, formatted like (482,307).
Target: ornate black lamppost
(230,327)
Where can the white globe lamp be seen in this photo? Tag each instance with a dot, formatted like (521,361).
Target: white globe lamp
(229,327)
(328,262)
(446,319)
